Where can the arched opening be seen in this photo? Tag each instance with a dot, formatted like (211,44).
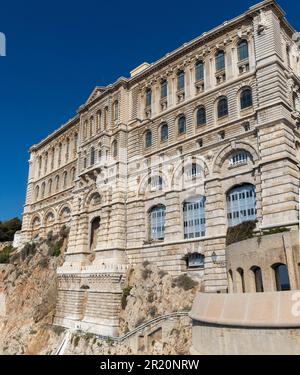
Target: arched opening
(49,219)
(242,50)
(281,277)
(240,280)
(95,225)
(241,204)
(258,280)
(230,281)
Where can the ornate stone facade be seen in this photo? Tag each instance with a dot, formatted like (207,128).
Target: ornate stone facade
(145,154)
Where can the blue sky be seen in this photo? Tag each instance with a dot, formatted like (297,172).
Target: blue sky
(58,51)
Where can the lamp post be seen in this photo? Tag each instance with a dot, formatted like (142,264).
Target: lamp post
(215,261)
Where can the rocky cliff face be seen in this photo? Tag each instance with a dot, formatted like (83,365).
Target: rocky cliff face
(30,286)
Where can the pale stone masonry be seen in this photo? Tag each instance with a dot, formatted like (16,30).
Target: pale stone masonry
(102,172)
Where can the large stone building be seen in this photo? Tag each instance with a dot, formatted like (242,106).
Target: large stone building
(157,166)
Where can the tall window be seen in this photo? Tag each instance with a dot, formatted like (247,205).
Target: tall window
(258,280)
(288,56)
(52,158)
(194,218)
(181,125)
(148,138)
(199,71)
(240,280)
(67,149)
(246,98)
(180,80)
(148,97)
(201,116)
(37,191)
(85,129)
(243,50)
(46,163)
(65,179)
(91,126)
(43,189)
(105,117)
(281,277)
(164,89)
(157,222)
(98,120)
(116,110)
(164,132)
(50,187)
(40,166)
(115,148)
(59,154)
(56,183)
(220,60)
(92,156)
(222,107)
(73,174)
(241,204)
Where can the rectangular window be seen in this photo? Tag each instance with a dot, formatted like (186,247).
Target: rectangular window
(199,71)
(180,81)
(164,89)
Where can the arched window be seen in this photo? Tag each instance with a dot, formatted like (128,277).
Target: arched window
(50,187)
(192,171)
(195,260)
(241,204)
(95,225)
(43,190)
(98,120)
(65,179)
(220,60)
(201,116)
(59,154)
(105,117)
(148,97)
(85,129)
(180,80)
(242,50)
(156,183)
(36,222)
(240,280)
(65,214)
(246,98)
(258,280)
(91,126)
(164,89)
(164,132)
(181,124)
(230,281)
(116,110)
(199,71)
(281,277)
(46,163)
(57,183)
(238,158)
(222,107)
(115,148)
(194,217)
(148,139)
(157,222)
(37,192)
(92,155)
(49,218)
(84,163)
(52,158)
(73,174)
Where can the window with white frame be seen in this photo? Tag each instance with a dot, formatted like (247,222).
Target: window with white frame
(192,171)
(238,158)
(199,71)
(195,260)
(194,217)
(156,183)
(164,89)
(241,204)
(157,222)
